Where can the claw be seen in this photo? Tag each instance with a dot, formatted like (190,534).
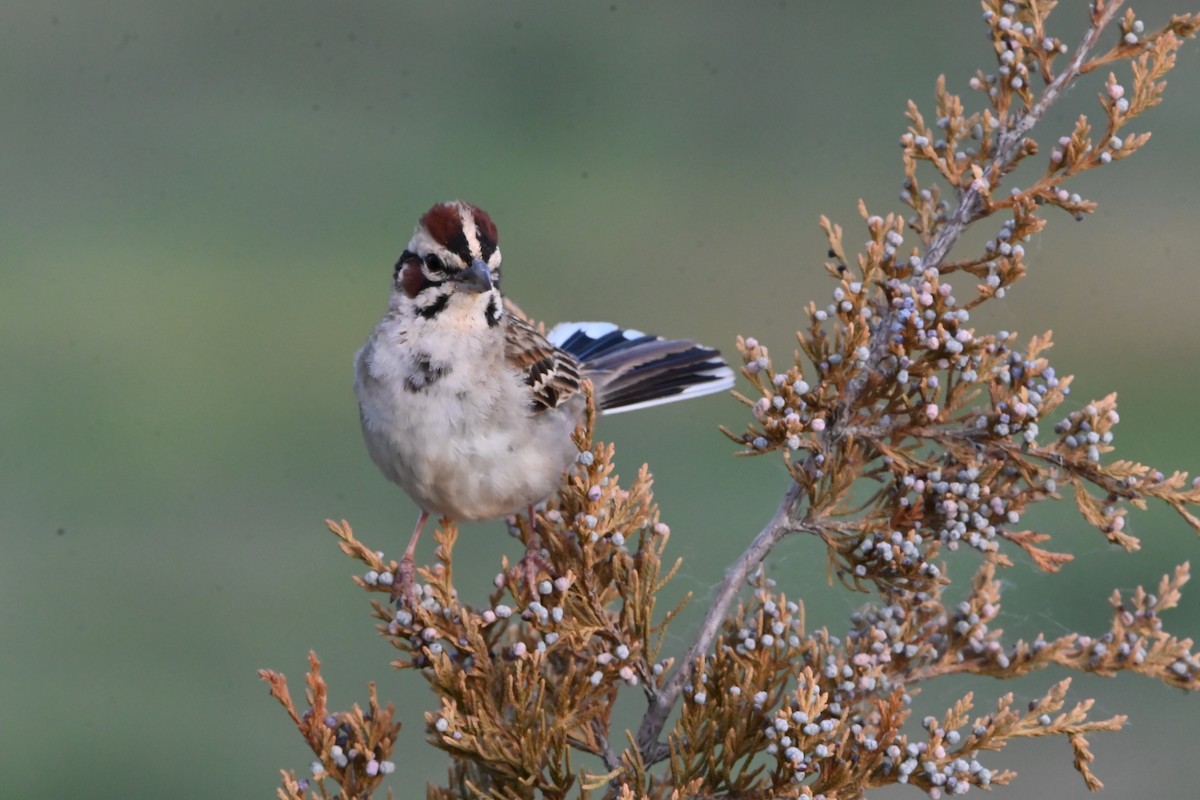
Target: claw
(405,585)
(531,566)
(405,582)
(533,563)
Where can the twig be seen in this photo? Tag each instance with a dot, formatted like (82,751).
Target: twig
(970,199)
(663,701)
(1010,140)
(611,760)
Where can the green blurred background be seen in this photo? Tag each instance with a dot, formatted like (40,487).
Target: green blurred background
(200,204)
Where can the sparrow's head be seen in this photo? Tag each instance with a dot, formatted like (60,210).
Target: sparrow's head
(452,264)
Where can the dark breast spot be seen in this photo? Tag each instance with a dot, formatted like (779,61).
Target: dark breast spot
(425,374)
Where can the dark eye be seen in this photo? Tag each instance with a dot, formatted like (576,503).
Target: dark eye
(435,264)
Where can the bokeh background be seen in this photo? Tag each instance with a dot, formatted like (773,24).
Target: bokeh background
(200,205)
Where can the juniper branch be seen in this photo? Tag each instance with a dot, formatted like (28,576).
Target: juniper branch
(1009,140)
(783,522)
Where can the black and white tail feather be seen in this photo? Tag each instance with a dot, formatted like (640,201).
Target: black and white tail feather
(630,369)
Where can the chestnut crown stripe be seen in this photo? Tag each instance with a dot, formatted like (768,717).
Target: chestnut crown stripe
(463,229)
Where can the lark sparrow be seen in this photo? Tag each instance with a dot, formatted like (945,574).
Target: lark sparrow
(468,407)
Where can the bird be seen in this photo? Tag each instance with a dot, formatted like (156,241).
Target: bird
(470,408)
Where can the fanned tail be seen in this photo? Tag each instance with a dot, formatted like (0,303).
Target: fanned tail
(631,369)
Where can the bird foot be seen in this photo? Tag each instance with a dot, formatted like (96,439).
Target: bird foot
(530,568)
(404,584)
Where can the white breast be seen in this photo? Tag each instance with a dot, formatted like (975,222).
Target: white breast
(451,423)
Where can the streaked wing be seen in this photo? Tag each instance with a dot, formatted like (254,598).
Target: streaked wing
(553,375)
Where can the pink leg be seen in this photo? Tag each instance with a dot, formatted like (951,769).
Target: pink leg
(405,583)
(533,561)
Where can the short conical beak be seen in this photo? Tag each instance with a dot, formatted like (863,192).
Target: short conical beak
(475,278)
